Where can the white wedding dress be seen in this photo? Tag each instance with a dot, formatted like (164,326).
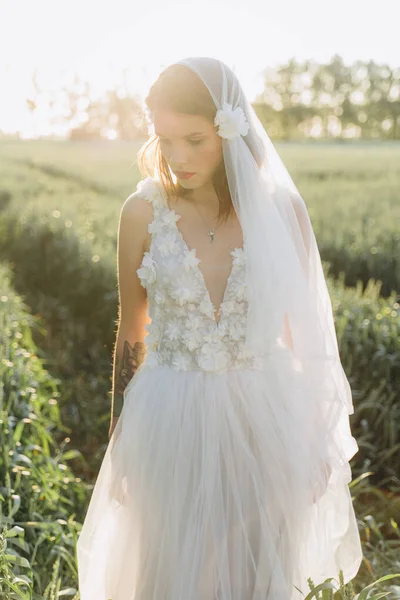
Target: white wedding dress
(215,484)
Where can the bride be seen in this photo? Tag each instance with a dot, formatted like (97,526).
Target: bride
(226,475)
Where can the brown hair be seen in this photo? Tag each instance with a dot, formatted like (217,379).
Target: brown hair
(180,90)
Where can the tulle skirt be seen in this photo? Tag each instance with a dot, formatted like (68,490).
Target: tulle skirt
(218,486)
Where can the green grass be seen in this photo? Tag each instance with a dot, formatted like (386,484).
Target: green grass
(351,191)
(59,209)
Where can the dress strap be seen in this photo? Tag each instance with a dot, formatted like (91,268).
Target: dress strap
(152,191)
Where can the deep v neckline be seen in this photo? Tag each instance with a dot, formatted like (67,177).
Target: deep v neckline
(200,272)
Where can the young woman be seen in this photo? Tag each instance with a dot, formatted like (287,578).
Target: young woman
(226,476)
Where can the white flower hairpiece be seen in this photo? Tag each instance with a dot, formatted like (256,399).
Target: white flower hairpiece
(232,123)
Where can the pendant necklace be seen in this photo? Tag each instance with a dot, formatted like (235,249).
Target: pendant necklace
(211,232)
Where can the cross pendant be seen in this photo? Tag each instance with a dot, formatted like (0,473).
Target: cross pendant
(211,234)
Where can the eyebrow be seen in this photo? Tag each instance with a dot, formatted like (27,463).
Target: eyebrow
(186,136)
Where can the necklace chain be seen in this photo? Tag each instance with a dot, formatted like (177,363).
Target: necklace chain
(211,232)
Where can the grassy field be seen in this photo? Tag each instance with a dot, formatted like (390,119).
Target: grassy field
(337,171)
(352,191)
(59,209)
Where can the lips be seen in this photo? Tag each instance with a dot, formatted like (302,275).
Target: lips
(184,175)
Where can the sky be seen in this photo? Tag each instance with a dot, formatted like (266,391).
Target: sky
(97,39)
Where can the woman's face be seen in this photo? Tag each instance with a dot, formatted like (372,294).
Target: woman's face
(188,143)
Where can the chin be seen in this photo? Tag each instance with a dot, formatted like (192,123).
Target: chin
(189,184)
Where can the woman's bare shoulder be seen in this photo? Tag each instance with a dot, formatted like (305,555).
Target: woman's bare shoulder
(137,207)
(135,217)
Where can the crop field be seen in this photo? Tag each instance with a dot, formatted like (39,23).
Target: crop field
(59,209)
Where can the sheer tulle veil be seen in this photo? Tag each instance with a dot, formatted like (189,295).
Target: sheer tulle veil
(285,279)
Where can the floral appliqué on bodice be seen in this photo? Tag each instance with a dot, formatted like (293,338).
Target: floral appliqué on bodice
(184,332)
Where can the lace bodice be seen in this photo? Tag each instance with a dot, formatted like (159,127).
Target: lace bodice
(184,332)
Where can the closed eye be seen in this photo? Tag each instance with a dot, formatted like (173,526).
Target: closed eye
(193,142)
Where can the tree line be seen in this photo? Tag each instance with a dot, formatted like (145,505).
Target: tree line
(333,100)
(299,100)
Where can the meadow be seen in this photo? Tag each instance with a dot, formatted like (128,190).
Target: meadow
(59,209)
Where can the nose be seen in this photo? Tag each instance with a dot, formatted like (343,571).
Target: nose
(177,157)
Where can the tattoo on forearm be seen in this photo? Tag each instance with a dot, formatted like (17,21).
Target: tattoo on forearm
(125,368)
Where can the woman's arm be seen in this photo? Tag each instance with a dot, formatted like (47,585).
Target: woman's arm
(129,351)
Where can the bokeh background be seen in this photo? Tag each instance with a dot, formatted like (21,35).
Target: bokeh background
(324,80)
